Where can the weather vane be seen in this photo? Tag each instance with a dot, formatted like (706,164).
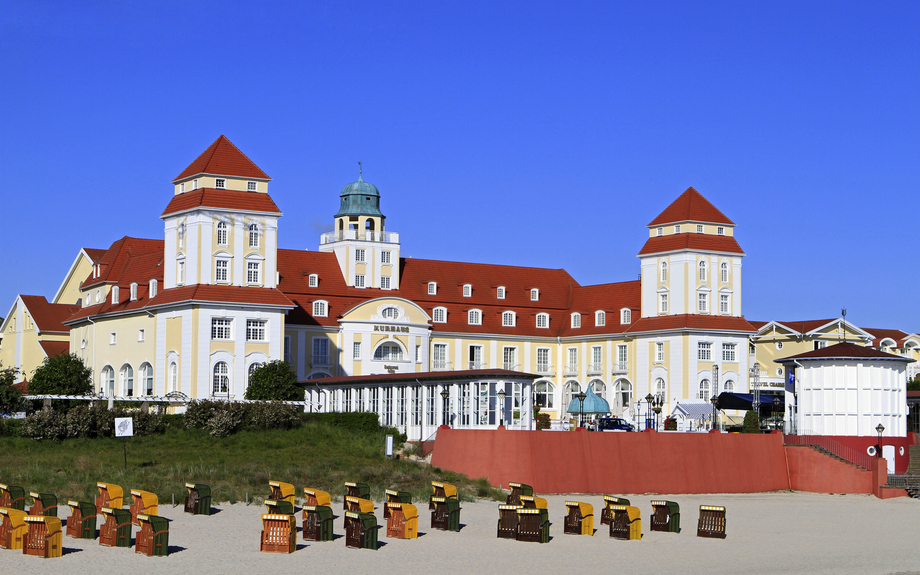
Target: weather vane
(360,169)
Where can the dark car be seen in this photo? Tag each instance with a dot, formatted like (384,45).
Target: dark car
(613,424)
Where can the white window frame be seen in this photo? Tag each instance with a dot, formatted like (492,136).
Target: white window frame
(543,318)
(724,272)
(677,229)
(133,292)
(180,272)
(702,300)
(439,356)
(699,228)
(145,375)
(252,186)
(600,318)
(467,290)
(728,352)
(223,234)
(439,315)
(659,232)
(724,304)
(221,329)
(659,352)
(356,350)
(320,308)
(625,316)
(254,273)
(195,184)
(474,317)
(663,303)
(432,288)
(702,269)
(221,272)
(576,320)
(663,271)
(113,338)
(317,346)
(704,389)
(384,282)
(220,183)
(534,294)
(704,351)
(313,280)
(359,281)
(508,319)
(509,358)
(141,335)
(500,292)
(544,366)
(182,187)
(220,382)
(720,230)
(385,256)
(256,329)
(254,236)
(360,256)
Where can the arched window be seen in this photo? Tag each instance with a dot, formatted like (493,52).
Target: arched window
(221,378)
(146,375)
(474,317)
(569,390)
(319,308)
(439,315)
(542,320)
(730,386)
(576,320)
(661,388)
(544,391)
(173,377)
(664,271)
(108,381)
(600,318)
(221,233)
(702,270)
(623,395)
(625,316)
(599,388)
(390,313)
(254,236)
(388,352)
(127,380)
(508,319)
(252,367)
(724,268)
(704,390)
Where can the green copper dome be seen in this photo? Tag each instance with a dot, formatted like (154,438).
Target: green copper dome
(359,199)
(593,404)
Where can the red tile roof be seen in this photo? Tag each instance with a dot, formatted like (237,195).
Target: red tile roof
(221,294)
(48,316)
(129,260)
(222,158)
(609,298)
(899,337)
(691,206)
(690,321)
(845,350)
(691,241)
(94,254)
(55,348)
(227,199)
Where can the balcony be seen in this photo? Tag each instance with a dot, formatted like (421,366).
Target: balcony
(363,235)
(620,367)
(477,365)
(442,365)
(546,369)
(320,361)
(571,369)
(595,368)
(511,366)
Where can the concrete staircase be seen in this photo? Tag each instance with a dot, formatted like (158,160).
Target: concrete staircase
(911,480)
(830,454)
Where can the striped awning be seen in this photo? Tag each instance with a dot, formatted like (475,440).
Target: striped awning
(694,410)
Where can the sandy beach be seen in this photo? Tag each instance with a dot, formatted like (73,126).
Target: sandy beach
(784,532)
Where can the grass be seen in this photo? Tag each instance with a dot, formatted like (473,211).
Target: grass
(315,455)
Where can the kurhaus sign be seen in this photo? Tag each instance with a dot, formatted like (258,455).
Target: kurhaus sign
(399,328)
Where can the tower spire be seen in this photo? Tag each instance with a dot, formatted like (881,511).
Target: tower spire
(360,171)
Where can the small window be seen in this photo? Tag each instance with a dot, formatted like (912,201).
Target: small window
(313,281)
(704,351)
(152,288)
(255,329)
(220,270)
(140,335)
(677,229)
(508,319)
(359,280)
(133,291)
(664,271)
(474,317)
(390,313)
(724,272)
(195,184)
(818,344)
(359,256)
(220,183)
(728,352)
(720,230)
(659,351)
(702,271)
(534,294)
(779,372)
(432,288)
(384,257)
(252,186)
(659,232)
(576,320)
(181,187)
(500,292)
(467,290)
(543,320)
(779,345)
(253,272)
(439,315)
(723,304)
(663,303)
(180,272)
(384,282)
(254,236)
(220,328)
(222,233)
(699,228)
(319,308)
(703,301)
(356,350)
(112,338)
(114,295)
(600,318)
(625,316)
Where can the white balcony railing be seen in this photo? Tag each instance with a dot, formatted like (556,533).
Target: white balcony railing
(595,368)
(477,365)
(511,366)
(620,366)
(571,369)
(546,369)
(442,365)
(364,235)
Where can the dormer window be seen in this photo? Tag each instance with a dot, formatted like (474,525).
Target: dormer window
(181,187)
(508,319)
(600,318)
(542,320)
(152,288)
(467,290)
(313,281)
(625,316)
(319,308)
(474,317)
(576,320)
(133,291)
(534,294)
(677,229)
(220,183)
(195,184)
(252,186)
(720,230)
(439,315)
(432,288)
(659,232)
(500,292)
(114,295)
(699,228)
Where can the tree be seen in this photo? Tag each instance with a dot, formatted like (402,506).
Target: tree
(914,384)
(274,380)
(63,374)
(751,422)
(10,398)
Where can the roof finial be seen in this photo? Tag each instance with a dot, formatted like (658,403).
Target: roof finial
(844,327)
(360,170)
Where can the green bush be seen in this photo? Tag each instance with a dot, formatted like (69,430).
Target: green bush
(227,420)
(275,380)
(222,418)
(45,424)
(199,411)
(273,415)
(751,423)
(10,427)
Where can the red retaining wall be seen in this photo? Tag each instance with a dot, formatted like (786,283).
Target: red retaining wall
(588,462)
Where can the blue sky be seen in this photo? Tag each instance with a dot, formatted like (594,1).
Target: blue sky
(530,133)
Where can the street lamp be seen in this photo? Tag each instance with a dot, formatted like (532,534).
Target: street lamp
(581,400)
(656,406)
(446,415)
(776,402)
(880,428)
(648,413)
(715,402)
(501,403)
